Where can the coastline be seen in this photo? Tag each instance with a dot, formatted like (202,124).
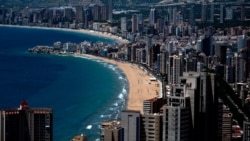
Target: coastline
(81,31)
(140,86)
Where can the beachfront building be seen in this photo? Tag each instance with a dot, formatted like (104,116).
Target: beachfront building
(26,124)
(151,127)
(104,12)
(153,105)
(96,12)
(177,116)
(111,131)
(79,14)
(130,122)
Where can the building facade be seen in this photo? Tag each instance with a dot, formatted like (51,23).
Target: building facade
(26,124)
(130,121)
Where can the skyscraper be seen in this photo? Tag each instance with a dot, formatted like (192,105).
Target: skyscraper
(177,116)
(134,21)
(246,130)
(174,69)
(110,10)
(229,13)
(152,16)
(130,122)
(104,12)
(123,24)
(26,124)
(96,12)
(151,127)
(205,105)
(79,14)
(221,13)
(204,12)
(111,131)
(212,12)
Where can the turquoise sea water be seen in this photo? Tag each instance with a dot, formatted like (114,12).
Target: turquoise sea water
(81,91)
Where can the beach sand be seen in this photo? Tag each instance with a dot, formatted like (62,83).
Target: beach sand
(140,86)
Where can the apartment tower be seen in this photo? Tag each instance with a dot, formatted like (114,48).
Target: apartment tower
(26,124)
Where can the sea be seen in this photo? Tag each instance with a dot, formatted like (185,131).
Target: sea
(82,92)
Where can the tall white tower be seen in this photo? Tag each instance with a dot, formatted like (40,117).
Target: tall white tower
(152,16)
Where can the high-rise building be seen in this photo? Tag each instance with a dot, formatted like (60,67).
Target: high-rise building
(212,12)
(229,13)
(190,63)
(206,108)
(226,124)
(174,16)
(174,69)
(152,16)
(96,12)
(68,14)
(140,23)
(104,12)
(111,131)
(79,14)
(170,15)
(242,12)
(154,51)
(148,46)
(151,127)
(207,45)
(153,105)
(221,13)
(204,12)
(220,52)
(88,17)
(110,10)
(246,130)
(130,122)
(163,60)
(26,124)
(123,24)
(241,42)
(177,116)
(236,63)
(134,21)
(191,15)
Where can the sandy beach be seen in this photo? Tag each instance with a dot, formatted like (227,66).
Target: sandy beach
(140,86)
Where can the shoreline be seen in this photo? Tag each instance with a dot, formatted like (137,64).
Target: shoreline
(81,31)
(140,86)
